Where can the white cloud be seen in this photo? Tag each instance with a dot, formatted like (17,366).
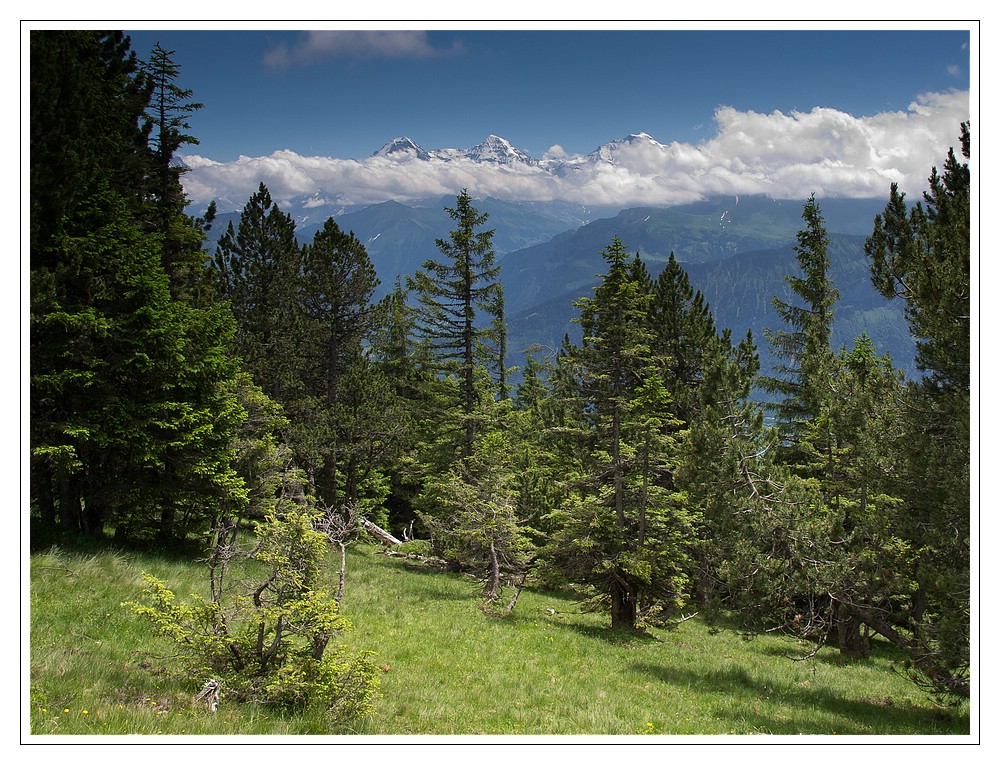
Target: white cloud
(317,45)
(791,155)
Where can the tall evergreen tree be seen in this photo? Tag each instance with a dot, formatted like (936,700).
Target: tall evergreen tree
(805,346)
(622,529)
(88,99)
(131,421)
(167,122)
(684,333)
(818,548)
(257,266)
(922,255)
(334,302)
(726,472)
(460,313)
(130,424)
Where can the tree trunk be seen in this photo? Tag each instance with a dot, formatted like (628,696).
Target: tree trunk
(623,603)
(343,576)
(852,634)
(41,485)
(492,589)
(379,533)
(69,503)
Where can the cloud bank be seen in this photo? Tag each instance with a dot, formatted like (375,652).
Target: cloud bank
(789,156)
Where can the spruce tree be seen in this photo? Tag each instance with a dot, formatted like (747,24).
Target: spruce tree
(460,312)
(922,254)
(804,348)
(622,530)
(257,266)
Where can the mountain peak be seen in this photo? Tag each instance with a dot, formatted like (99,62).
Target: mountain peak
(609,151)
(401,145)
(499,150)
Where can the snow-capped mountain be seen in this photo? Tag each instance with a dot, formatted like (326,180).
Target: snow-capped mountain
(494,149)
(497,150)
(402,146)
(610,151)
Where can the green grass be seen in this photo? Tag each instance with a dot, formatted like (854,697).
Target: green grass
(452,670)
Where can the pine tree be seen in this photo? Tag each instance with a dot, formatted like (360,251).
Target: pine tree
(132,423)
(460,311)
(257,267)
(126,383)
(88,100)
(480,520)
(922,255)
(167,120)
(336,316)
(684,334)
(817,549)
(805,346)
(726,471)
(622,530)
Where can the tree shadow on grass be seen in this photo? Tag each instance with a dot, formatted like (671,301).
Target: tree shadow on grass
(829,654)
(614,636)
(747,701)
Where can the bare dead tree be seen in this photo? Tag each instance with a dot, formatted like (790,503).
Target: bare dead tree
(342,526)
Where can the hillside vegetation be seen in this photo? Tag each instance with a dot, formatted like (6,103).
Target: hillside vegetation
(449,669)
(260,403)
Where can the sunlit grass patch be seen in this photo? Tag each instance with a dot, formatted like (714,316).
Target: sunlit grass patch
(449,669)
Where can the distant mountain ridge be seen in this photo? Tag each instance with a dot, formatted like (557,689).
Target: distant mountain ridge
(495,149)
(738,259)
(736,250)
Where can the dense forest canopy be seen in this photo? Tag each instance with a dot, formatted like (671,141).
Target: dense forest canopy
(178,390)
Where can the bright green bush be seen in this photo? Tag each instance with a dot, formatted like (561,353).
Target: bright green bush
(265,637)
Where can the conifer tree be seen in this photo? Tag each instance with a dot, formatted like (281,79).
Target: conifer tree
(480,519)
(922,255)
(335,317)
(684,334)
(726,471)
(805,346)
(622,529)
(167,122)
(132,420)
(460,311)
(257,266)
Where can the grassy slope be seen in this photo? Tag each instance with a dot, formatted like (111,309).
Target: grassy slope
(452,670)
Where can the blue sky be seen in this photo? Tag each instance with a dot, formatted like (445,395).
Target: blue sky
(288,101)
(576,89)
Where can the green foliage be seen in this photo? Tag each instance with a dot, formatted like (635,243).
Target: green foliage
(256,266)
(622,527)
(87,106)
(817,535)
(266,639)
(127,383)
(804,348)
(478,516)
(460,312)
(132,417)
(922,255)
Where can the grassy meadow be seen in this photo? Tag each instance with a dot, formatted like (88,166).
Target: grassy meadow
(449,669)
